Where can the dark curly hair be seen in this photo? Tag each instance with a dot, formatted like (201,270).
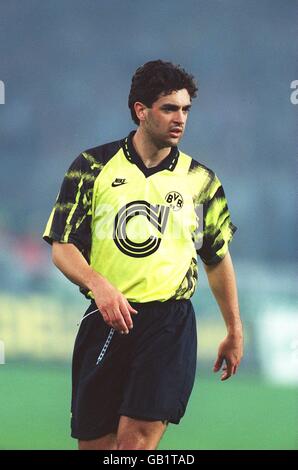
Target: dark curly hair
(156,78)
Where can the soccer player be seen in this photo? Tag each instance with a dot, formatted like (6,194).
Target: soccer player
(130,218)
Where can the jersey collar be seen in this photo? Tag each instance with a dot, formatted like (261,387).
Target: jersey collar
(130,153)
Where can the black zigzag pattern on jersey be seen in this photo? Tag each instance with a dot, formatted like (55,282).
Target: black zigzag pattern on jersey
(72,213)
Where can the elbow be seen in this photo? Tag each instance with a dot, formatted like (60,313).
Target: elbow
(209,268)
(55,253)
(60,252)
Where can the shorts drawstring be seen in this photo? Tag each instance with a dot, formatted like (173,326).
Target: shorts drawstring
(85,316)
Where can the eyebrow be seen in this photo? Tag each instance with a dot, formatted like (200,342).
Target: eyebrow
(174,107)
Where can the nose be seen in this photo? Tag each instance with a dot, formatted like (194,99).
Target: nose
(179,117)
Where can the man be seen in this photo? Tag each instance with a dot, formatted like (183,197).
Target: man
(127,225)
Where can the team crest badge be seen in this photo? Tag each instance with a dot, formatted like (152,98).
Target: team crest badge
(174,200)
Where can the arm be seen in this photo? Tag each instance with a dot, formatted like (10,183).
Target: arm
(113,306)
(221,278)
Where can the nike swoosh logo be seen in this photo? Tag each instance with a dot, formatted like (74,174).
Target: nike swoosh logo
(118,182)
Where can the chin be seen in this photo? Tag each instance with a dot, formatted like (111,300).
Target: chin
(168,142)
(173,141)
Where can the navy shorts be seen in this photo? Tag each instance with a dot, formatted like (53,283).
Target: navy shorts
(147,374)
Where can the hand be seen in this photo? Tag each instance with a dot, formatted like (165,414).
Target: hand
(230,351)
(113,306)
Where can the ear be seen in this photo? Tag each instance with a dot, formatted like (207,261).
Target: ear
(140,110)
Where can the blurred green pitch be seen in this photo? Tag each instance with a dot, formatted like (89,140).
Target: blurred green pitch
(242,413)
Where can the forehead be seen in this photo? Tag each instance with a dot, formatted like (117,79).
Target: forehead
(177,97)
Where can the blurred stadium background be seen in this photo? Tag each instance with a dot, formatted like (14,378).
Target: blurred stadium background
(66,66)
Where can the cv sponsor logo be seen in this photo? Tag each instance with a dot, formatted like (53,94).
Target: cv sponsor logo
(119,182)
(157,215)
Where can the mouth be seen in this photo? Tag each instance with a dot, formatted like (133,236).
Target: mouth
(175,132)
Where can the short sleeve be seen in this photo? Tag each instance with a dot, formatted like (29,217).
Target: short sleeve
(218,229)
(70,219)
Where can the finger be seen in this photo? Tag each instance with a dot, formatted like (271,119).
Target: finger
(218,363)
(106,317)
(118,322)
(225,376)
(126,316)
(228,370)
(111,318)
(235,369)
(130,308)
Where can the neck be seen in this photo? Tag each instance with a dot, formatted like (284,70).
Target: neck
(147,150)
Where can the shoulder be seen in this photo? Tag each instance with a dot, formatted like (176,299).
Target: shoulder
(102,153)
(95,158)
(202,179)
(196,167)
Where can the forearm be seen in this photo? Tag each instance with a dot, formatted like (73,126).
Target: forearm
(222,281)
(69,260)
(112,305)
